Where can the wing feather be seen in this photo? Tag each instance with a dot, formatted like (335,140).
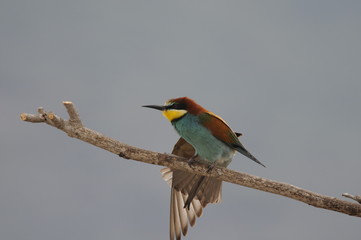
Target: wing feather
(219,128)
(224,133)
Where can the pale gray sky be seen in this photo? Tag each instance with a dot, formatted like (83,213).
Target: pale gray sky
(284,73)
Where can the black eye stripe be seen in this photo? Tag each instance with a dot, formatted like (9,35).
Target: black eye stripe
(178,106)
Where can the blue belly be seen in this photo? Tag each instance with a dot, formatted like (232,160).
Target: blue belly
(209,148)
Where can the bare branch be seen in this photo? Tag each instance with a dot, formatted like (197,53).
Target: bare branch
(32,118)
(73,114)
(357,198)
(74,128)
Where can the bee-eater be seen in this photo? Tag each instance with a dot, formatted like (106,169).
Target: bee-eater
(206,138)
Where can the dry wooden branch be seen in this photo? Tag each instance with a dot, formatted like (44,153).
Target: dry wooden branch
(357,198)
(74,128)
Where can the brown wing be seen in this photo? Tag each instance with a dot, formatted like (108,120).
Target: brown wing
(219,129)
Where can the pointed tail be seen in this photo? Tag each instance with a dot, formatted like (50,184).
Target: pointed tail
(244,151)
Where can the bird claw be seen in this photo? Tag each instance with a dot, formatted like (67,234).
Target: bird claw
(192,160)
(210,167)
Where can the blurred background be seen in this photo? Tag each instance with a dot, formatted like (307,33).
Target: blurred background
(284,73)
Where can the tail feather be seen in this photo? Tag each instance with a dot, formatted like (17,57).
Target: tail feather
(211,191)
(193,192)
(244,151)
(183,181)
(175,218)
(207,192)
(183,217)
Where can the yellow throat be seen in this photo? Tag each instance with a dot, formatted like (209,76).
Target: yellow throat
(172,114)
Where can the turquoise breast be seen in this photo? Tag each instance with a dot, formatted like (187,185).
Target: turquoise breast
(208,147)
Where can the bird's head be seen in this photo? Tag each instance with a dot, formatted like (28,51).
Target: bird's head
(176,108)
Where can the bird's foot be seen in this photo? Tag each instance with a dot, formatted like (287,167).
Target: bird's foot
(210,167)
(192,160)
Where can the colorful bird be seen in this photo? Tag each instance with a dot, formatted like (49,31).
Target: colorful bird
(214,143)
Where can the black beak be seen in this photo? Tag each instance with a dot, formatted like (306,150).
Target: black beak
(161,108)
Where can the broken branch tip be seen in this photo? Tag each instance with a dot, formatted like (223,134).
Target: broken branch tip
(23,116)
(51,116)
